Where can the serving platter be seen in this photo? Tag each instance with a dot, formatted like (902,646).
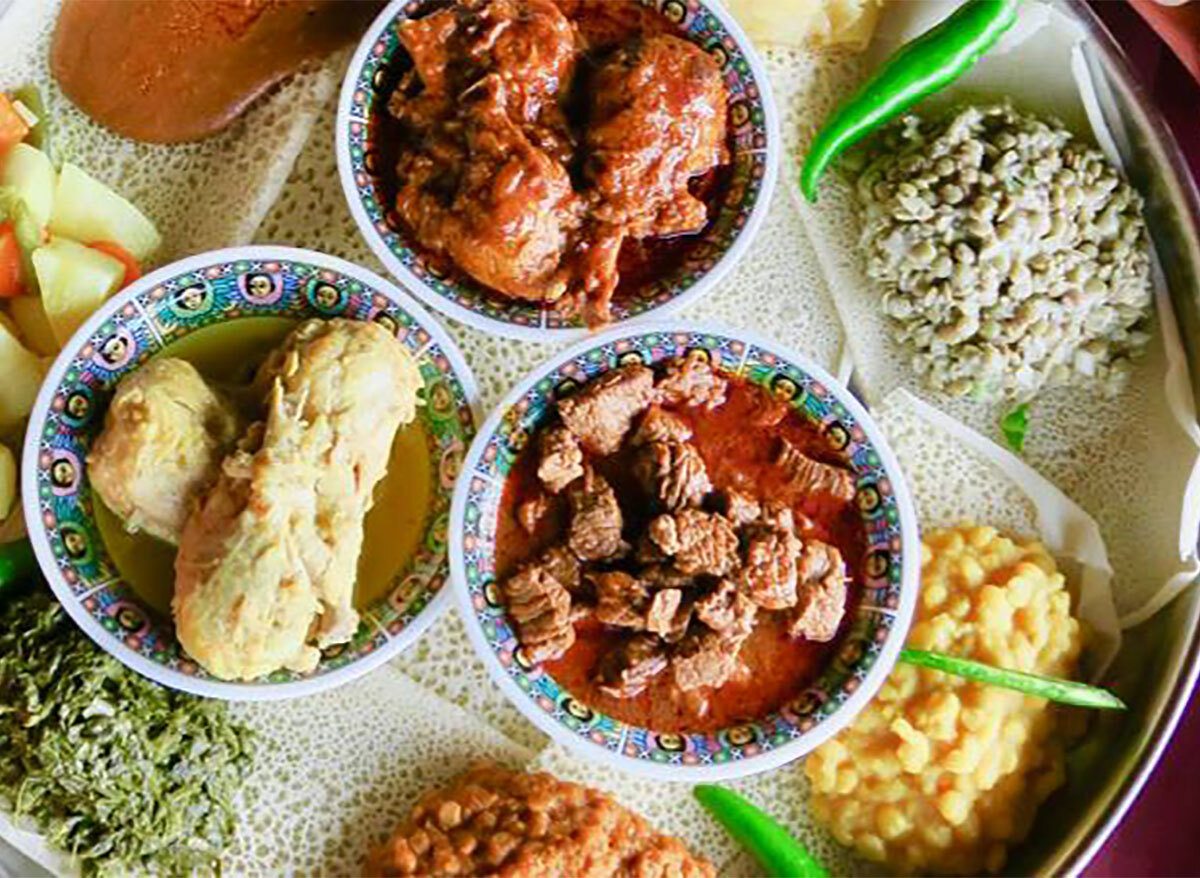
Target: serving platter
(1157,666)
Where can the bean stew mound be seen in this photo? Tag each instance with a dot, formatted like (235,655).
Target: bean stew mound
(678,547)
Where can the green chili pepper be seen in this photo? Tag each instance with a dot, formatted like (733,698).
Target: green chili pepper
(17,565)
(1014,426)
(780,855)
(917,69)
(1050,688)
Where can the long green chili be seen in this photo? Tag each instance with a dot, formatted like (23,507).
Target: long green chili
(1050,688)
(780,855)
(916,70)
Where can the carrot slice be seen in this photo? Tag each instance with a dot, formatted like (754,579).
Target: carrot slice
(133,269)
(10,263)
(12,127)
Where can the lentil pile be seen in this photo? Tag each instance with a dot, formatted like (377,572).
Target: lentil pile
(1014,257)
(492,821)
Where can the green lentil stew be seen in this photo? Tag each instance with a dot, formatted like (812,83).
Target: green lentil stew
(122,773)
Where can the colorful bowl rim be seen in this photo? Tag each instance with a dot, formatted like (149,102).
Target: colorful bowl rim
(763,760)
(211,688)
(484,323)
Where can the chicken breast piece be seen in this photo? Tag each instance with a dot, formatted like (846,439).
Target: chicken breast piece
(245,594)
(360,380)
(164,437)
(267,565)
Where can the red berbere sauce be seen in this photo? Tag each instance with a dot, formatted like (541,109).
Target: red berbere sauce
(603,24)
(738,442)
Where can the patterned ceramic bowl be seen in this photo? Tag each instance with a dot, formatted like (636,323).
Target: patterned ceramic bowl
(145,320)
(743,206)
(868,645)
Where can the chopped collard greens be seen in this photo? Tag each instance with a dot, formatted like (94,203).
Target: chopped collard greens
(123,773)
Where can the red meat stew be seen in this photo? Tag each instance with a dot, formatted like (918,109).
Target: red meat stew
(679,547)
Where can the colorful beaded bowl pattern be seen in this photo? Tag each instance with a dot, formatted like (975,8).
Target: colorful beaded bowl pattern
(868,646)
(140,323)
(755,160)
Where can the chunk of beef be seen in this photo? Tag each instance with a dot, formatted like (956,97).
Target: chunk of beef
(660,575)
(705,659)
(561,460)
(621,600)
(659,425)
(601,413)
(726,610)
(739,507)
(595,530)
(692,381)
(661,615)
(821,598)
(678,626)
(673,472)
(818,560)
(743,510)
(561,563)
(820,608)
(540,607)
(647,552)
(699,542)
(769,577)
(532,511)
(657,119)
(628,669)
(813,477)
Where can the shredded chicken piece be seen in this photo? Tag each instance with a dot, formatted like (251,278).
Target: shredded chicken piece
(268,562)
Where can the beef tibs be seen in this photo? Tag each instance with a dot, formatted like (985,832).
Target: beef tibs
(769,577)
(628,669)
(809,476)
(700,568)
(697,542)
(692,381)
(603,411)
(561,459)
(673,473)
(540,605)
(595,530)
(821,601)
(528,175)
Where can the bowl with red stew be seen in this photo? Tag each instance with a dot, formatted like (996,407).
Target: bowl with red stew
(686,552)
(541,168)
